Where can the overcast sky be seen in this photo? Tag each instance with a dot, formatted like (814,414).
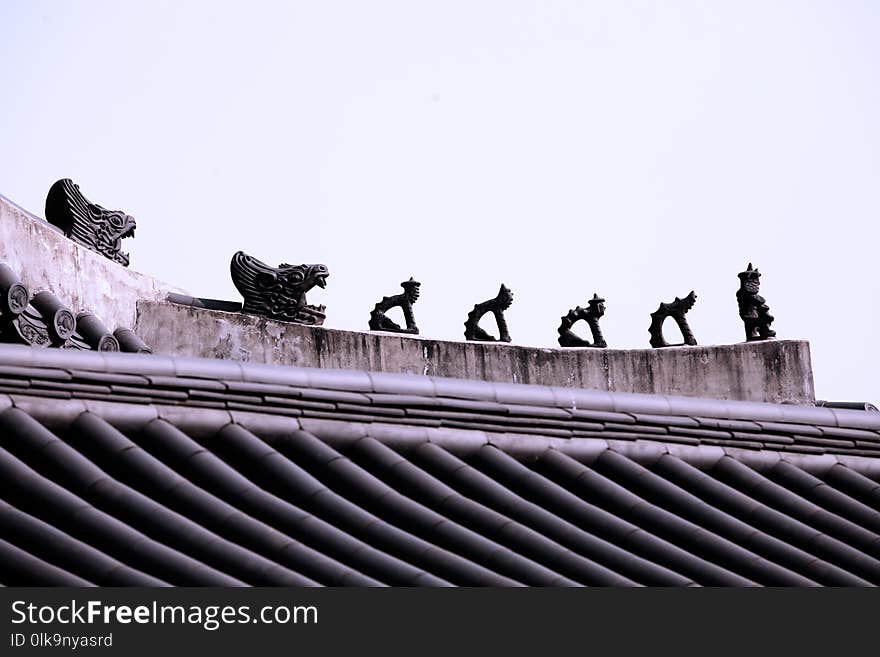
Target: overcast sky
(634,149)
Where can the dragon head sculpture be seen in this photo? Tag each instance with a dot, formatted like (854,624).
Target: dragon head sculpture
(88,223)
(278,292)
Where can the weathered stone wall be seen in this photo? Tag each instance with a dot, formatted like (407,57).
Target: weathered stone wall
(82,279)
(774,371)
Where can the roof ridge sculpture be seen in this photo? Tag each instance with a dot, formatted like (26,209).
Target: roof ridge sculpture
(87,223)
(278,292)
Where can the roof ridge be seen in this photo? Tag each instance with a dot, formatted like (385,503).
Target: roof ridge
(428,401)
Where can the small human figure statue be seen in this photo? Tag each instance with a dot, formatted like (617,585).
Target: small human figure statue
(379,321)
(677,310)
(496,306)
(591,315)
(753,308)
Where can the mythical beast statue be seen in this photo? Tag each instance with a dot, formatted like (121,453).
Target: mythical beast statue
(278,292)
(379,321)
(591,315)
(87,223)
(676,310)
(497,305)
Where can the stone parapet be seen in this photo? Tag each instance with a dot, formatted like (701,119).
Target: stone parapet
(772,371)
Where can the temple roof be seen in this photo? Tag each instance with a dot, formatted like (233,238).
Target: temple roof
(148,469)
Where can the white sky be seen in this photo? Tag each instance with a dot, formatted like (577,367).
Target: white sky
(635,149)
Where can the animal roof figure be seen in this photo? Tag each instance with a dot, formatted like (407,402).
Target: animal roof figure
(87,223)
(278,292)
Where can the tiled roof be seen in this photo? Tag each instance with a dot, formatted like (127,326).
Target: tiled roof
(43,319)
(124,469)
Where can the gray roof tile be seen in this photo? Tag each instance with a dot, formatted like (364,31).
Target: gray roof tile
(109,378)
(784,427)
(852,434)
(15,383)
(650,404)
(298,403)
(807,415)
(261,388)
(764,437)
(223,396)
(822,442)
(207,368)
(374,410)
(642,428)
(804,449)
(543,412)
(186,382)
(602,416)
(847,419)
(406,384)
(731,425)
(668,420)
(154,393)
(704,433)
(463,388)
(63,358)
(417,401)
(339,380)
(739,444)
(512,393)
(35,372)
(119,363)
(261,408)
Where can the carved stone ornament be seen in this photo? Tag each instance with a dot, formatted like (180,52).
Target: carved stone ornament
(14,295)
(88,223)
(591,315)
(92,334)
(379,321)
(278,292)
(753,309)
(45,322)
(496,306)
(677,310)
(130,342)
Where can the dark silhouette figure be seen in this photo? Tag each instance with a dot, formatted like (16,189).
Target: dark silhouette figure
(379,321)
(278,292)
(753,309)
(496,306)
(677,310)
(87,223)
(591,315)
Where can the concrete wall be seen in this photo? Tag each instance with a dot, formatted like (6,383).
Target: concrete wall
(84,280)
(775,371)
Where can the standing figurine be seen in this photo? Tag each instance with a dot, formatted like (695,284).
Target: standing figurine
(753,309)
(496,306)
(677,310)
(591,315)
(379,321)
